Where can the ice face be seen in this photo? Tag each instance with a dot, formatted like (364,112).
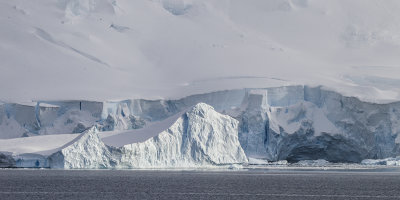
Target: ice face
(86,151)
(82,8)
(253,121)
(324,125)
(31,160)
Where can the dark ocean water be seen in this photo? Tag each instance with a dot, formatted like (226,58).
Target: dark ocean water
(254,184)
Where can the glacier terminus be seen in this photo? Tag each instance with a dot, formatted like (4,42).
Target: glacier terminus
(292,123)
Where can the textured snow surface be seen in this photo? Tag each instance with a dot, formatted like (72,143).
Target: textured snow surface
(118,49)
(200,137)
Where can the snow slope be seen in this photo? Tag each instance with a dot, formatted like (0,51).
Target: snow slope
(122,49)
(44,145)
(120,138)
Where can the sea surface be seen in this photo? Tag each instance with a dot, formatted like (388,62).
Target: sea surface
(175,184)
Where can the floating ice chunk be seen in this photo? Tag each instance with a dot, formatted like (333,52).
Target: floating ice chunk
(313,163)
(235,167)
(255,161)
(386,161)
(279,162)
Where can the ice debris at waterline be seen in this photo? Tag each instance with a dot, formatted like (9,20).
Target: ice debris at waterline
(200,137)
(386,161)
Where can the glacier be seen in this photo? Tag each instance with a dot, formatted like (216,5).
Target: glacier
(259,62)
(292,123)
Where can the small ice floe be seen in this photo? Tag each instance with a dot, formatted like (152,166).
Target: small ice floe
(279,162)
(235,167)
(312,163)
(257,161)
(386,161)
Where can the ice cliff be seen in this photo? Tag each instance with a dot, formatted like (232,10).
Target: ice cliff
(307,123)
(284,123)
(200,137)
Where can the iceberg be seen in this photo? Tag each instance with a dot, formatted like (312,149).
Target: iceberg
(200,137)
